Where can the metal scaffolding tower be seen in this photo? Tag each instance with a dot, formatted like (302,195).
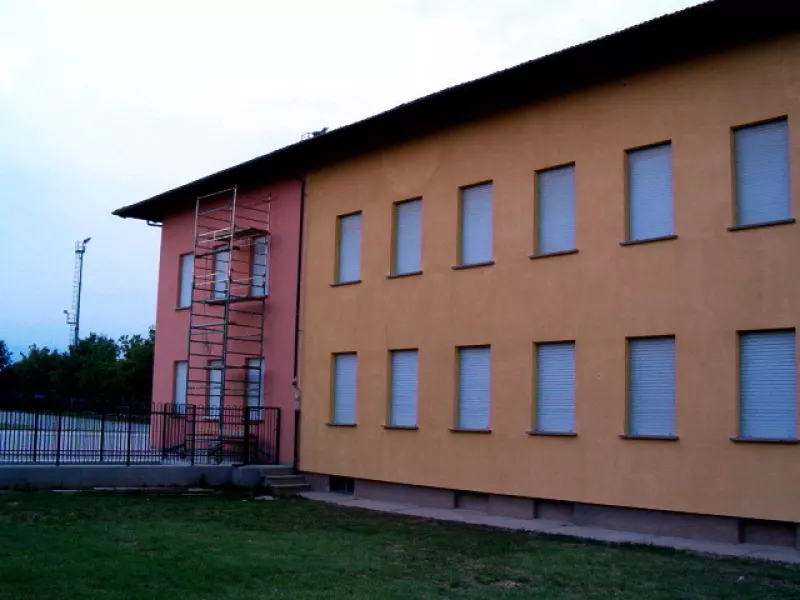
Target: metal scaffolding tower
(230,285)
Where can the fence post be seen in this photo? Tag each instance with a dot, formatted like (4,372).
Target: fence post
(102,434)
(35,433)
(162,413)
(58,438)
(194,430)
(277,434)
(246,445)
(130,423)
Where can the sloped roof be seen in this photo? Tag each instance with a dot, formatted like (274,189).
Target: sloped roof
(709,27)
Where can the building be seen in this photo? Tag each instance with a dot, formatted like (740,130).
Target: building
(241,352)
(566,290)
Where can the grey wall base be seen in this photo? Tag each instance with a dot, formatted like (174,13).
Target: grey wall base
(656,522)
(46,477)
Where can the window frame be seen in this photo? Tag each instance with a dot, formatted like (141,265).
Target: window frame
(179,304)
(180,408)
(740,437)
(332,408)
(537,210)
(535,428)
(629,239)
(337,281)
(390,422)
(457,427)
(460,264)
(629,398)
(735,203)
(252,273)
(393,271)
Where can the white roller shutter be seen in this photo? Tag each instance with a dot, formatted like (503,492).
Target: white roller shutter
(179,394)
(344,389)
(349,249)
(185,293)
(762,173)
(652,386)
(221,261)
(556,210)
(474,386)
(259,269)
(214,388)
(403,403)
(408,237)
(768,385)
(650,193)
(476,224)
(555,387)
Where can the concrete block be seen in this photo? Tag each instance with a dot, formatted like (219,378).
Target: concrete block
(554,510)
(654,522)
(318,482)
(768,533)
(510,506)
(472,501)
(406,494)
(90,476)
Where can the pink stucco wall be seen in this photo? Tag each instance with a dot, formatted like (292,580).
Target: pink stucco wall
(172,323)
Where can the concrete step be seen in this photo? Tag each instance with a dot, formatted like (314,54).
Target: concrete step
(282,490)
(284,479)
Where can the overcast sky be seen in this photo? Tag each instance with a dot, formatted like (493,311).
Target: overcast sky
(104,103)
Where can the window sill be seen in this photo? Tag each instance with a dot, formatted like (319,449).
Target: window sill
(758,225)
(340,424)
(663,238)
(462,430)
(177,308)
(342,283)
(533,432)
(657,438)
(549,254)
(401,275)
(755,440)
(488,263)
(401,427)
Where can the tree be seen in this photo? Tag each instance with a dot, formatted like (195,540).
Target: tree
(97,372)
(136,366)
(5,357)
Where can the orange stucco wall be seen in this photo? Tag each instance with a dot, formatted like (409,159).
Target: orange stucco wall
(702,288)
(172,324)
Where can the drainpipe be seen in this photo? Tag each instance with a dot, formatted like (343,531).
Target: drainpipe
(296,369)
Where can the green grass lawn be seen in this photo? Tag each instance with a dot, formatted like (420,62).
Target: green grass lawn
(174,548)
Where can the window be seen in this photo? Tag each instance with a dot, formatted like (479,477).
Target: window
(259,267)
(476,225)
(345,375)
(407,255)
(651,387)
(555,387)
(255,379)
(761,163)
(185,280)
(179,394)
(474,385)
(650,193)
(220,284)
(214,388)
(403,399)
(768,385)
(555,210)
(349,257)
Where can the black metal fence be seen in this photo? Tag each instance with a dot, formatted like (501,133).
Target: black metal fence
(160,434)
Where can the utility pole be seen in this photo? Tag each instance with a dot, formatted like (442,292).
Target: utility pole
(74,316)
